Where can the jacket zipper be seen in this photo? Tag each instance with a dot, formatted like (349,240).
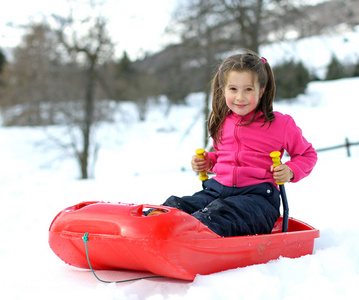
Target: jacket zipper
(236,156)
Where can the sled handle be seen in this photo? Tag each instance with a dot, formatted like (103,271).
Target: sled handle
(275,155)
(202,175)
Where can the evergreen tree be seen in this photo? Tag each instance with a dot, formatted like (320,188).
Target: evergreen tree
(335,69)
(124,67)
(2,61)
(291,79)
(356,70)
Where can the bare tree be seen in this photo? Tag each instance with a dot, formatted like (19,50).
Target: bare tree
(201,33)
(29,79)
(209,29)
(56,77)
(88,51)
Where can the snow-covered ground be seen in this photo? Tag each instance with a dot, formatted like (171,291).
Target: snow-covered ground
(146,163)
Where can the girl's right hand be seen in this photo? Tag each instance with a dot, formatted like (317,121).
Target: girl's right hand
(201,164)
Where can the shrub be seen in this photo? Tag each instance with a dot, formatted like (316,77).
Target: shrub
(335,69)
(356,70)
(291,79)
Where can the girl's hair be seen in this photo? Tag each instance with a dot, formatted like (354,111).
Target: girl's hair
(249,62)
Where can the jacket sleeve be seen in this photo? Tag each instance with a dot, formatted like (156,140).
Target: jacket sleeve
(303,157)
(213,157)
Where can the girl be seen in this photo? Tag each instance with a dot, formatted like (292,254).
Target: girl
(243,198)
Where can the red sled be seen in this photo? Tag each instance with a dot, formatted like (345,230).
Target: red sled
(172,244)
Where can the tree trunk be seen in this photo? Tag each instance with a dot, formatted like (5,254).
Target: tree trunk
(88,122)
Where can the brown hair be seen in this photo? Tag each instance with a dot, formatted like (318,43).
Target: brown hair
(251,62)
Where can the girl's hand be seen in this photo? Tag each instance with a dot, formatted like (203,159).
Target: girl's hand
(282,173)
(201,164)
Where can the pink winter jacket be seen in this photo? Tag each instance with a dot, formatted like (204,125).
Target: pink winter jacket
(242,157)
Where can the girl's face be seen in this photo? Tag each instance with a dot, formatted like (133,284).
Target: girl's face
(242,92)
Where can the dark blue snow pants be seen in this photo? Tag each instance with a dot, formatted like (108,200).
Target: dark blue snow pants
(232,211)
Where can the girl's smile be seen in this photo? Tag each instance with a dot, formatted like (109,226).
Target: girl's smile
(242,92)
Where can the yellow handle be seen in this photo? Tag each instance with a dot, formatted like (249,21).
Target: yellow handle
(275,155)
(202,175)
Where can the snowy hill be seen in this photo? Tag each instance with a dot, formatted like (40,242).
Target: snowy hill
(316,52)
(142,163)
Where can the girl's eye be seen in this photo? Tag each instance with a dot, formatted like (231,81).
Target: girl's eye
(232,89)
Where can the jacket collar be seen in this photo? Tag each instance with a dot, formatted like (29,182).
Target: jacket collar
(243,119)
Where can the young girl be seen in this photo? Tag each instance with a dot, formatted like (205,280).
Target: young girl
(243,198)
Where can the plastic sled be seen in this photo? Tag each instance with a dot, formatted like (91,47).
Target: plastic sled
(173,244)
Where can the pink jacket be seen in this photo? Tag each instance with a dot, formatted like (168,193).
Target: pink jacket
(242,158)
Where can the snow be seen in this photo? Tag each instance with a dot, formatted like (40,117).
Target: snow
(146,163)
(143,163)
(315,53)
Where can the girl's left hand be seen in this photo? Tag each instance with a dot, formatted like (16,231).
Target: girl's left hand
(282,173)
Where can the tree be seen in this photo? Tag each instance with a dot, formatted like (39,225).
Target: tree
(3,64)
(248,15)
(259,22)
(2,61)
(291,79)
(356,70)
(57,76)
(134,84)
(201,40)
(30,80)
(88,51)
(335,69)
(210,29)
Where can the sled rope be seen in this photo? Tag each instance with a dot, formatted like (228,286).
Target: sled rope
(85,239)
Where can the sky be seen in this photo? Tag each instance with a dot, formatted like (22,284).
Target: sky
(136,26)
